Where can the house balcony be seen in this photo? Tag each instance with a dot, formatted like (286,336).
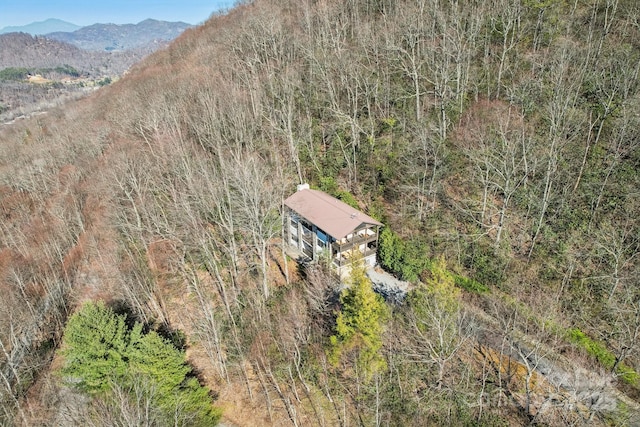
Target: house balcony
(355,241)
(307,234)
(307,238)
(345,260)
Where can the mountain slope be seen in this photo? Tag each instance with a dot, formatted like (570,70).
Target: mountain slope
(497,142)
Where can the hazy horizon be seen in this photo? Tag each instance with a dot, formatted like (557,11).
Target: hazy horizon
(17,14)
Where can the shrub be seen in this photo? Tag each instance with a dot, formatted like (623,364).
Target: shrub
(14,74)
(407,260)
(593,348)
(607,359)
(470,285)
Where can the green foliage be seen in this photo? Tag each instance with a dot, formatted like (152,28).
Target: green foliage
(628,374)
(606,358)
(407,260)
(487,265)
(100,352)
(360,324)
(594,348)
(440,293)
(329,185)
(104,82)
(348,198)
(376,211)
(436,320)
(312,96)
(160,363)
(68,70)
(154,358)
(14,74)
(95,348)
(469,284)
(21,73)
(391,250)
(388,123)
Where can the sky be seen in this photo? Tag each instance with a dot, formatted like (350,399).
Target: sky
(87,12)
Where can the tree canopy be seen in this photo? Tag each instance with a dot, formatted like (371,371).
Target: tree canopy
(360,324)
(101,353)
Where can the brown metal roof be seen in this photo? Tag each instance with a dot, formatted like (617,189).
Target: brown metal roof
(328,213)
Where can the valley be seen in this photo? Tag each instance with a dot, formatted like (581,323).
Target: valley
(41,72)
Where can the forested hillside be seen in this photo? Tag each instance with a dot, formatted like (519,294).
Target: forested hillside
(19,50)
(497,140)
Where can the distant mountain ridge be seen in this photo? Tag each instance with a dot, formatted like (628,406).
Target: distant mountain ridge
(112,37)
(42,27)
(149,33)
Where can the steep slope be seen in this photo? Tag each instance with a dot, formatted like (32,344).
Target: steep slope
(497,142)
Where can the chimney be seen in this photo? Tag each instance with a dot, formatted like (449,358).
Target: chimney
(304,186)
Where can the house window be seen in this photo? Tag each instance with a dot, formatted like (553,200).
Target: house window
(322,235)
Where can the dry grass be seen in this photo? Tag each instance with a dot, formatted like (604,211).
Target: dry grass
(38,79)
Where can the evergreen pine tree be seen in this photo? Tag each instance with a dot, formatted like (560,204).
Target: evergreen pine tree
(101,354)
(95,347)
(360,324)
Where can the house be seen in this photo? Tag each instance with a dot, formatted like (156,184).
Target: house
(319,225)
